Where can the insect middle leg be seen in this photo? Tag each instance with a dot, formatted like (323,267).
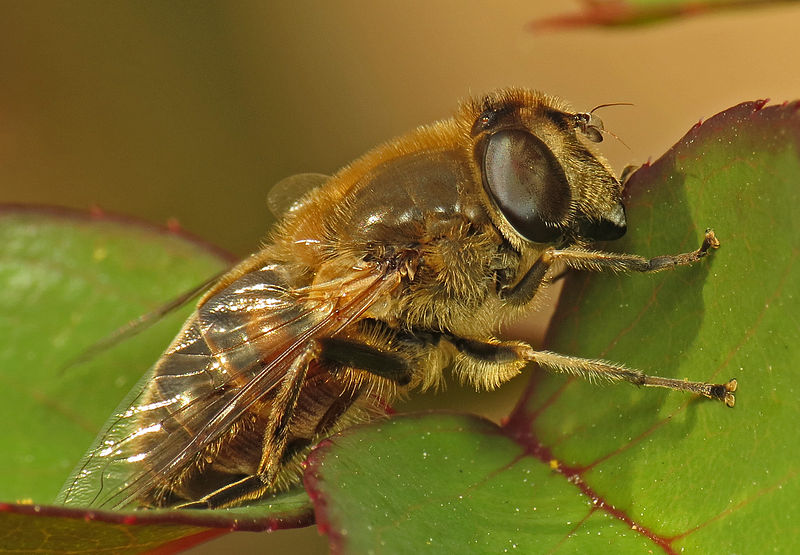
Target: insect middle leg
(494,363)
(487,364)
(600,369)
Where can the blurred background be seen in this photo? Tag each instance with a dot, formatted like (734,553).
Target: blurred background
(192,111)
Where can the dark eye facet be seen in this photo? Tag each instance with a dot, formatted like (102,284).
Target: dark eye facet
(527,184)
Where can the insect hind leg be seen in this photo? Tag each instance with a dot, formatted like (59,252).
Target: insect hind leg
(277,433)
(249,487)
(277,449)
(275,440)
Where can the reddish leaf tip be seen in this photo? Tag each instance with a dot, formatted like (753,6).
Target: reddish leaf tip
(593,13)
(173,225)
(95,212)
(760,103)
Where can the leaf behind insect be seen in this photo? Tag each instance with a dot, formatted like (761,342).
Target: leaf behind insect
(68,277)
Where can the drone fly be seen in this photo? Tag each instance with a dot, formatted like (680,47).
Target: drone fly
(376,280)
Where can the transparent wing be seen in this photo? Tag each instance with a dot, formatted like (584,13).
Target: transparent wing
(286,194)
(232,352)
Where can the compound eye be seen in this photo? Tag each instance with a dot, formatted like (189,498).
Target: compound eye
(527,184)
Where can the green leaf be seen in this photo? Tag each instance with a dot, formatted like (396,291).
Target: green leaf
(581,468)
(68,280)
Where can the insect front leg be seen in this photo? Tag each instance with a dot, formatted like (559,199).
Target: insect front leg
(621,262)
(525,289)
